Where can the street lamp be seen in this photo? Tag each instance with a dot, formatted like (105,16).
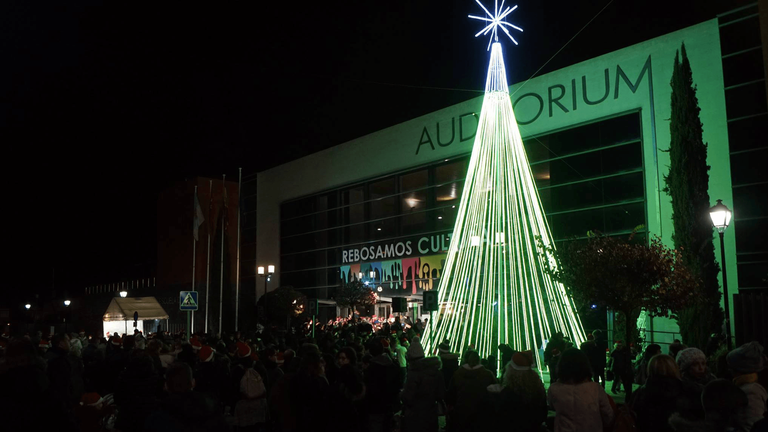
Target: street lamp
(123,294)
(266,275)
(721,217)
(66,324)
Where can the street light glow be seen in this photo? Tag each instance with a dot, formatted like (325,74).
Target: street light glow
(27,306)
(123,294)
(67,302)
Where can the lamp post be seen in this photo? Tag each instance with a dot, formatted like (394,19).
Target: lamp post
(266,275)
(721,217)
(66,324)
(124,294)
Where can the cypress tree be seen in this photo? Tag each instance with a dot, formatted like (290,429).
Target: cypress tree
(687,184)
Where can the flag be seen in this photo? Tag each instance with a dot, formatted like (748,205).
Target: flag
(198,218)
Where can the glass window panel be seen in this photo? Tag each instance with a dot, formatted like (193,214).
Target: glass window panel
(750,235)
(381,188)
(749,167)
(382,229)
(751,201)
(748,133)
(603,162)
(445,218)
(414,180)
(414,223)
(592,136)
(383,208)
(353,195)
(452,170)
(745,100)
(740,36)
(413,201)
(606,220)
(753,274)
(743,67)
(449,193)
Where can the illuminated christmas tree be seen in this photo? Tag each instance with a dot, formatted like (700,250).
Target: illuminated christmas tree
(493,289)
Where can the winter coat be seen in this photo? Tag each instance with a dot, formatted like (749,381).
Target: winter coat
(424,388)
(382,383)
(503,406)
(211,378)
(756,408)
(595,355)
(450,364)
(621,362)
(136,393)
(659,398)
(466,393)
(186,412)
(580,407)
(680,423)
(24,393)
(60,378)
(310,401)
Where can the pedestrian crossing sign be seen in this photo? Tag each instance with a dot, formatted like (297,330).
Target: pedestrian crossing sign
(188,300)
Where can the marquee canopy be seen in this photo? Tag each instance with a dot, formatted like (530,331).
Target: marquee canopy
(122,309)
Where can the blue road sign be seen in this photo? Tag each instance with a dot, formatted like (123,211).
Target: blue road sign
(188,300)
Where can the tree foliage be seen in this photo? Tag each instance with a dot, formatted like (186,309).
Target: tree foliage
(623,275)
(281,304)
(354,294)
(687,184)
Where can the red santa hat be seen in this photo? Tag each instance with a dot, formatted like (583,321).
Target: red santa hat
(91,399)
(205,354)
(196,345)
(243,350)
(522,360)
(43,343)
(117,341)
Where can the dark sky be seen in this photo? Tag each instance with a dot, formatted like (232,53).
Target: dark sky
(103,103)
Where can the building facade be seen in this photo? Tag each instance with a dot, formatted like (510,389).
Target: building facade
(381,208)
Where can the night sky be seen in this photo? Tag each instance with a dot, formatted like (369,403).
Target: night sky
(103,104)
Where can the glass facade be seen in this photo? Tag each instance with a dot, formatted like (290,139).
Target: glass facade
(747,113)
(590,177)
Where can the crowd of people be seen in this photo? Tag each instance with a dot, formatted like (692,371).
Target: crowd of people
(370,376)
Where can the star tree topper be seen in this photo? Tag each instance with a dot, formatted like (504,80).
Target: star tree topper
(495,22)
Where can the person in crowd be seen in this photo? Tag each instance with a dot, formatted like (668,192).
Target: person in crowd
(746,362)
(210,376)
(24,392)
(520,397)
(621,366)
(348,389)
(183,409)
(116,359)
(136,392)
(466,393)
(251,410)
(641,370)
(310,395)
(721,400)
(167,357)
(596,357)
(382,384)
(675,347)
(693,367)
(579,403)
(92,413)
(400,357)
(424,390)
(60,373)
(274,372)
(663,394)
(449,360)
(554,348)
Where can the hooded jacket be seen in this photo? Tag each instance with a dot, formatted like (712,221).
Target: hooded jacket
(466,393)
(424,388)
(660,397)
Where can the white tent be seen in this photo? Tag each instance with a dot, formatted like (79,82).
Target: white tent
(119,315)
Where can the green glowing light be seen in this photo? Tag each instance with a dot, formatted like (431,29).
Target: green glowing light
(493,290)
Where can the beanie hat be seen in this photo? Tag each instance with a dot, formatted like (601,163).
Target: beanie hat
(196,345)
(385,343)
(415,351)
(205,354)
(748,358)
(91,399)
(522,360)
(444,347)
(243,350)
(687,356)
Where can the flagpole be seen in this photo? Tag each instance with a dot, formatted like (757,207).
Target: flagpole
(194,251)
(208,265)
(223,234)
(237,270)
